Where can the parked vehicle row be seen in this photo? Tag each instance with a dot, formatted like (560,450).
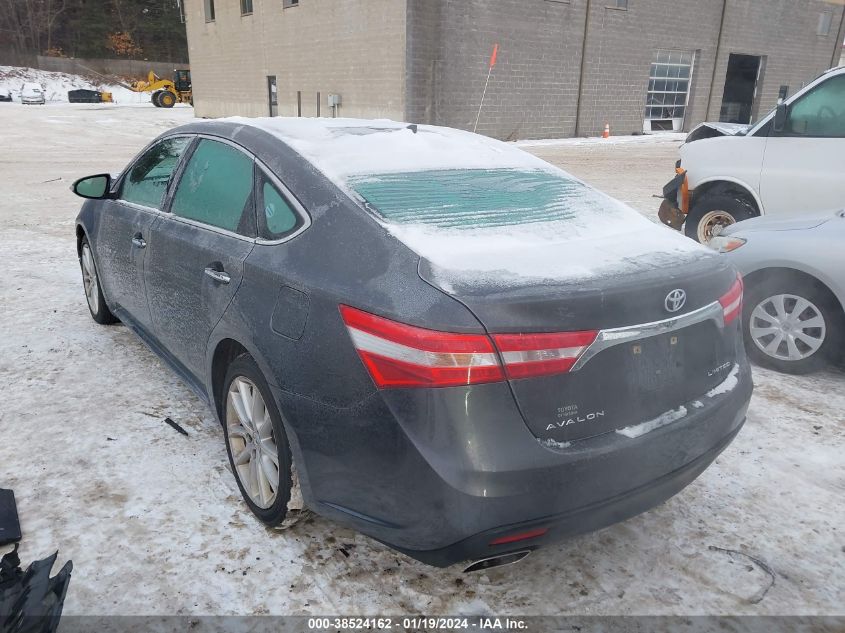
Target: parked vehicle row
(782,181)
(789,163)
(436,338)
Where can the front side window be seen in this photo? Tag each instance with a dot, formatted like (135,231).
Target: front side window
(146,182)
(276,217)
(820,113)
(209,10)
(216,188)
(246,7)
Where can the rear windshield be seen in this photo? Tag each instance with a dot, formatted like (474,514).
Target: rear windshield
(477,198)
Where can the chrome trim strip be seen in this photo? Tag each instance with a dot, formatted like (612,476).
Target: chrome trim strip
(617,336)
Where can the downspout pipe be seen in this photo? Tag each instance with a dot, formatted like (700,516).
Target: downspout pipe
(716,59)
(583,68)
(837,46)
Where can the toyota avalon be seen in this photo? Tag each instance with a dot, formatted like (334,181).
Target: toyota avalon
(425,334)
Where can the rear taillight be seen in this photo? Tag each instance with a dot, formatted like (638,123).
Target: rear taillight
(731,301)
(399,355)
(529,355)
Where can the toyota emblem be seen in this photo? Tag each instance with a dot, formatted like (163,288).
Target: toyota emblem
(675,300)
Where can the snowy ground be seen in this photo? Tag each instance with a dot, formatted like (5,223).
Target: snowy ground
(153,520)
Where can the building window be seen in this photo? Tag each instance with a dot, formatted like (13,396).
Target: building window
(619,4)
(209,10)
(290,3)
(668,90)
(823,27)
(246,7)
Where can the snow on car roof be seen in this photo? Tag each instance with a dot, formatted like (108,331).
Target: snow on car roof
(341,148)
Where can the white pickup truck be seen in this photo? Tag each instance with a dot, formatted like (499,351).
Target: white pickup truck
(789,163)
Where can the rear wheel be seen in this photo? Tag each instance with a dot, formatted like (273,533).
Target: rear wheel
(258,448)
(791,324)
(91,283)
(712,213)
(166,99)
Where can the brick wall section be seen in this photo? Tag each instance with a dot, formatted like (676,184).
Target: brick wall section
(620,49)
(422,60)
(785,32)
(426,60)
(533,88)
(355,48)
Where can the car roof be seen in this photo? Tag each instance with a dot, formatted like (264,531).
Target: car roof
(344,148)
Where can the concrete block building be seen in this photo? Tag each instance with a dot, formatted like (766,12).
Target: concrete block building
(564,67)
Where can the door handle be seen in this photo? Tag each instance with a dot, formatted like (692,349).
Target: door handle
(139,242)
(220,276)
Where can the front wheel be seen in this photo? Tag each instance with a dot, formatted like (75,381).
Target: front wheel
(91,283)
(790,325)
(167,99)
(711,214)
(258,448)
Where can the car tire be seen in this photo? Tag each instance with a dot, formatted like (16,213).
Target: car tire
(716,210)
(155,98)
(257,445)
(91,285)
(788,301)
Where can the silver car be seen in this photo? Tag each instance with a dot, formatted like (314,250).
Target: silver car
(794,273)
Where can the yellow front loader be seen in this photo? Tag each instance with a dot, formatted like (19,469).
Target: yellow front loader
(167,93)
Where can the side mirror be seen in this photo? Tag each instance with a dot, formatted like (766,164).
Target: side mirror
(781,114)
(93,187)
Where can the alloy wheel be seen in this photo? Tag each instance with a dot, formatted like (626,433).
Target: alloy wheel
(251,442)
(89,279)
(787,327)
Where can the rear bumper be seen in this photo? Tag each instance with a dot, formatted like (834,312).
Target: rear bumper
(437,474)
(592,517)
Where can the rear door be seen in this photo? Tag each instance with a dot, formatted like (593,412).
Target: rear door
(196,254)
(804,164)
(125,225)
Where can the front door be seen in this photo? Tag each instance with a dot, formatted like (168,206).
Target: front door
(125,227)
(273,95)
(196,253)
(803,165)
(740,89)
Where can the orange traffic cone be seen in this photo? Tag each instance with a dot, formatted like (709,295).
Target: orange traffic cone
(606,133)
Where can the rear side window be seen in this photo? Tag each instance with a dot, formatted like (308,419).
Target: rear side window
(147,179)
(821,112)
(216,188)
(276,217)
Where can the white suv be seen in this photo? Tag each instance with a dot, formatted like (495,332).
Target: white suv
(791,162)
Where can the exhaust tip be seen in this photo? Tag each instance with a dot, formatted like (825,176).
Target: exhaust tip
(496,561)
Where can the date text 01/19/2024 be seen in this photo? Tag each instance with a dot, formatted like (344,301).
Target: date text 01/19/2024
(421,623)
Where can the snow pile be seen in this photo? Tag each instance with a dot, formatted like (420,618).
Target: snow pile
(638,139)
(56,85)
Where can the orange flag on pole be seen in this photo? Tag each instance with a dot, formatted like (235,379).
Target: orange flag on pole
(486,83)
(494,55)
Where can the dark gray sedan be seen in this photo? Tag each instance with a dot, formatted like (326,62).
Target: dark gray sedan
(436,338)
